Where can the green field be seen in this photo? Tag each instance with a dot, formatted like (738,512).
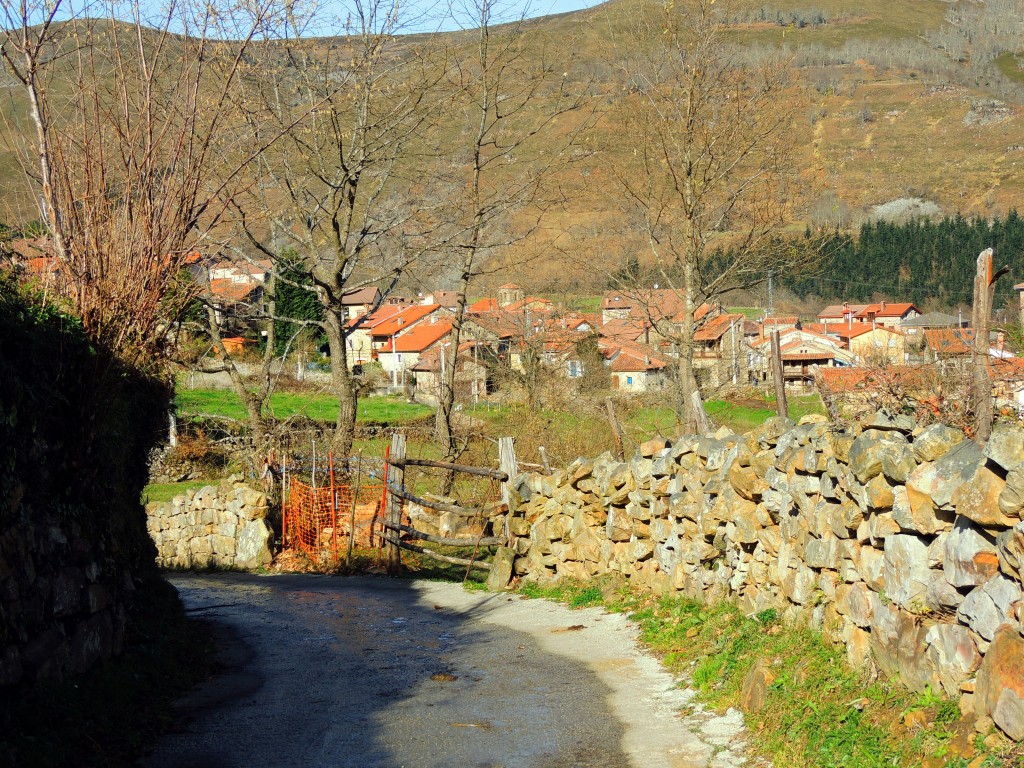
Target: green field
(225,403)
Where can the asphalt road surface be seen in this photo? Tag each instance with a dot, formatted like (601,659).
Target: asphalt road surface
(390,673)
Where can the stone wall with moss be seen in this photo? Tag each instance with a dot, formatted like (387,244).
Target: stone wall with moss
(903,542)
(75,431)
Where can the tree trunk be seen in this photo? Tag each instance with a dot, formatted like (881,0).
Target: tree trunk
(343,384)
(694,418)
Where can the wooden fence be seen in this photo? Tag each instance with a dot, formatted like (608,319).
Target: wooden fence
(399,536)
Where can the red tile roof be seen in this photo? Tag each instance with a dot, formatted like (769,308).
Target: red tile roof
(839,310)
(420,337)
(482,305)
(853,330)
(232,291)
(376,318)
(885,309)
(628,329)
(839,380)
(515,306)
(406,317)
(715,328)
(949,341)
(360,297)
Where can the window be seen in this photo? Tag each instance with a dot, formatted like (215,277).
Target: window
(629,380)
(575,369)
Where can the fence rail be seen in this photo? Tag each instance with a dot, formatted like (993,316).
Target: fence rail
(399,536)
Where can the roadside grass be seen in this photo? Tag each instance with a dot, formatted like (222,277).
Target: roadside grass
(225,403)
(112,714)
(818,711)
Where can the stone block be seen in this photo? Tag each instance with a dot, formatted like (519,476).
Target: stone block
(953,656)
(501,569)
(1002,671)
(252,547)
(989,606)
(970,557)
(1010,549)
(906,570)
(978,499)
(935,441)
(854,601)
(1005,446)
(938,480)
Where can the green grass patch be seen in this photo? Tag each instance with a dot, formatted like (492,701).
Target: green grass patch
(109,716)
(159,493)
(739,417)
(320,407)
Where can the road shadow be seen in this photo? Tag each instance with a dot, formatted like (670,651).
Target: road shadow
(362,672)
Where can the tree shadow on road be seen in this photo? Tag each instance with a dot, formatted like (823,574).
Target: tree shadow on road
(362,672)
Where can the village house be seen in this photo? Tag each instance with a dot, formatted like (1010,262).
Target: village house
(801,349)
(359,333)
(407,346)
(383,335)
(719,355)
(888,314)
(472,375)
(361,301)
(871,344)
(636,368)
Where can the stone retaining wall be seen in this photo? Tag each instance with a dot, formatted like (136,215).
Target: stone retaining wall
(222,526)
(904,543)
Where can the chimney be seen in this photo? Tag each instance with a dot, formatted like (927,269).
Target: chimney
(881,307)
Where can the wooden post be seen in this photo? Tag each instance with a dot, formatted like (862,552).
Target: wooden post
(352,509)
(334,506)
(544,459)
(284,502)
(781,404)
(508,464)
(396,476)
(984,293)
(613,422)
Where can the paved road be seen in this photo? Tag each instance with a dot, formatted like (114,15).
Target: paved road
(378,673)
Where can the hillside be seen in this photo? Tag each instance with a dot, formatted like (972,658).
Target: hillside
(921,99)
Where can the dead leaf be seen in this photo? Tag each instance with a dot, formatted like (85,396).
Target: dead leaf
(443,677)
(573,628)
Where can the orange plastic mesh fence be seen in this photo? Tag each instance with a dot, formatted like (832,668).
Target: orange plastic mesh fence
(317,520)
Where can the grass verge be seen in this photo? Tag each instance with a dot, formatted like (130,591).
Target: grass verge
(110,715)
(225,403)
(817,711)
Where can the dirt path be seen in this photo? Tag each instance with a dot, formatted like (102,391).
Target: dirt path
(369,673)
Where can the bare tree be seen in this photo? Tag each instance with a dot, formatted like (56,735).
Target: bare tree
(132,163)
(509,93)
(703,161)
(341,192)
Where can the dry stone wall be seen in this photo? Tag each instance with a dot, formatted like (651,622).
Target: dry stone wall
(223,526)
(905,543)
